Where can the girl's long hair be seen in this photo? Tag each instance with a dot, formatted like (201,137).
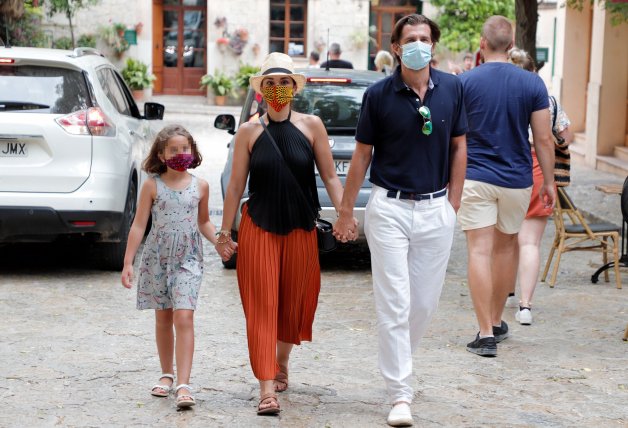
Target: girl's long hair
(153,165)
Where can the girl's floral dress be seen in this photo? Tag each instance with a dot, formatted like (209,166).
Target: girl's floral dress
(171,269)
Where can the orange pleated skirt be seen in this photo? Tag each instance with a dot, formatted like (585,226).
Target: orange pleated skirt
(279,279)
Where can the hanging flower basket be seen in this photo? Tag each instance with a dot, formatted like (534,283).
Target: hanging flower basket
(222,43)
(238,40)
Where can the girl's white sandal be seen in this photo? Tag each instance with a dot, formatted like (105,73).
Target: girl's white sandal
(184,400)
(161,390)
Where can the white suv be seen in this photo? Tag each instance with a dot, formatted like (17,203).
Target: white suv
(72,142)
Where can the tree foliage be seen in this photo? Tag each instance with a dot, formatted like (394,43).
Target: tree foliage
(618,10)
(69,9)
(461,21)
(12,9)
(20,23)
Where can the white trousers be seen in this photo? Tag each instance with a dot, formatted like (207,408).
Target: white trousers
(410,243)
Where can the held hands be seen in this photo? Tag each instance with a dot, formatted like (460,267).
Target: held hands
(346,228)
(127,276)
(226,250)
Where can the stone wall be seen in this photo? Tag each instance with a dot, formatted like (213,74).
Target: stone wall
(91,19)
(345,19)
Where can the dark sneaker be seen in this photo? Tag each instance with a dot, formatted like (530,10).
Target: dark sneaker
(486,347)
(501,332)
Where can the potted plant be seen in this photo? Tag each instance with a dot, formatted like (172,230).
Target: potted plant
(220,85)
(242,78)
(113,37)
(244,73)
(135,74)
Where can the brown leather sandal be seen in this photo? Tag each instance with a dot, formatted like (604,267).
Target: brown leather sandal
(268,398)
(281,382)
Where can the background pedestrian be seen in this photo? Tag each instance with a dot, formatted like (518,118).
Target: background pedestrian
(384,62)
(313,59)
(334,58)
(502,101)
(533,226)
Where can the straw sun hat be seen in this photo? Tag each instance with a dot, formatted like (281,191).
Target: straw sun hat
(277,64)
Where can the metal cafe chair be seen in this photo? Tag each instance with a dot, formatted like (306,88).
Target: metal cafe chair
(574,233)
(623,257)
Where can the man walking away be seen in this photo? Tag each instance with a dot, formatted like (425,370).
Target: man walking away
(501,101)
(334,58)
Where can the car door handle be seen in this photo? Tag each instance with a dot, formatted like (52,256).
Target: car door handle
(132,132)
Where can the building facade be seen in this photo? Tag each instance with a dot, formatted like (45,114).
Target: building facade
(586,64)
(591,80)
(183,39)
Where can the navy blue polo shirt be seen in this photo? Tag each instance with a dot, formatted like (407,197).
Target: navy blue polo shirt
(500,99)
(403,157)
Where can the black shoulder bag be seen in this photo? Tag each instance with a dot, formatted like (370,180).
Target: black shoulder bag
(324,229)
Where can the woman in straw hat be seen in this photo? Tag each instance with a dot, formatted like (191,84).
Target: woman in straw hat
(278,269)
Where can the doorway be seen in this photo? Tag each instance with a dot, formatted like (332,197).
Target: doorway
(384,14)
(180,53)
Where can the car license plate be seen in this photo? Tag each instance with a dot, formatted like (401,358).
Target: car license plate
(13,149)
(342,167)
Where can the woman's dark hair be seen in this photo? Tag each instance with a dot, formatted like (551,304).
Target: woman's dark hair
(413,19)
(153,165)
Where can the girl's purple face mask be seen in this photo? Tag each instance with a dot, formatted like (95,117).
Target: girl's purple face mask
(180,162)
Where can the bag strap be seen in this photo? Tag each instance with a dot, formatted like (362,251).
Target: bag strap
(274,144)
(555,112)
(560,142)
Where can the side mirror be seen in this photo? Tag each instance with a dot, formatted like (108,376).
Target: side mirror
(225,122)
(154,111)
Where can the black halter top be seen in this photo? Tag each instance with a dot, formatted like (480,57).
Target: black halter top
(275,202)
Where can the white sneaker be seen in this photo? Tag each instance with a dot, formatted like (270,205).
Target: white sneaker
(400,416)
(524,316)
(512,302)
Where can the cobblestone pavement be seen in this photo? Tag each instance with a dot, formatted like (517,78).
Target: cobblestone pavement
(76,352)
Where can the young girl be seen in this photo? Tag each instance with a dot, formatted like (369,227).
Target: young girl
(171,269)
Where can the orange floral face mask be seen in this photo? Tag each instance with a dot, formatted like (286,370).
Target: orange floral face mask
(277,96)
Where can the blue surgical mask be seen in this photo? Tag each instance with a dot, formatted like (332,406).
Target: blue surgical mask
(416,55)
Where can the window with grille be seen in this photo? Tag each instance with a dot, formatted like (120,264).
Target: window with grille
(288,20)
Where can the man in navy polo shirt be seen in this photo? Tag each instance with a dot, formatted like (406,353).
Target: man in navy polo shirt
(412,132)
(501,100)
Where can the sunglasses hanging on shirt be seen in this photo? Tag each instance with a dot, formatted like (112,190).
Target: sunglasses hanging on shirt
(425,113)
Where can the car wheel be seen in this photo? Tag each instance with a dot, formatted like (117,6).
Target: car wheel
(112,253)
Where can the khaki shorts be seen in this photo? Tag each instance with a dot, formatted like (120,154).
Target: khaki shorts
(486,205)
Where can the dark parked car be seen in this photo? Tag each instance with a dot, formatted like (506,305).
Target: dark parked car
(333,95)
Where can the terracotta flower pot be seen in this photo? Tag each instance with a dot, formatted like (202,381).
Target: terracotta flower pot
(220,100)
(138,94)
